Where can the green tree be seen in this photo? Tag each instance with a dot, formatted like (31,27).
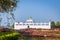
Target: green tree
(7,6)
(53,24)
(12,26)
(58,24)
(0,21)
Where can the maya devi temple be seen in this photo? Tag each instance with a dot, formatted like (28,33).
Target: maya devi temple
(31,24)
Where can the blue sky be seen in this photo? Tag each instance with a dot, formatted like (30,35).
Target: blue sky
(39,10)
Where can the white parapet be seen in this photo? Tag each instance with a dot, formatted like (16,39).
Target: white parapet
(30,24)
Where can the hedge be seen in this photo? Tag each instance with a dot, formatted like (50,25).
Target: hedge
(9,36)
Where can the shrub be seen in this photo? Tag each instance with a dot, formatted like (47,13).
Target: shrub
(9,36)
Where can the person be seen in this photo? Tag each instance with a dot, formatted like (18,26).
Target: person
(28,26)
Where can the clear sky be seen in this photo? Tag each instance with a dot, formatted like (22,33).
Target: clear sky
(39,10)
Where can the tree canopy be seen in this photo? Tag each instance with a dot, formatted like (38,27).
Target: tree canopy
(58,24)
(53,24)
(7,5)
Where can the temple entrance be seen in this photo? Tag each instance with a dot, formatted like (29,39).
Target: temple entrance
(28,26)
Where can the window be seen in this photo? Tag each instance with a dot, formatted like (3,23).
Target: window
(43,24)
(38,24)
(27,24)
(23,24)
(20,24)
(47,24)
(17,24)
(35,24)
(31,24)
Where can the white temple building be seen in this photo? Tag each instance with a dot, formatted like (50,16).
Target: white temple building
(31,24)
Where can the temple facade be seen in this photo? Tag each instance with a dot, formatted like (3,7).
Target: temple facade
(31,24)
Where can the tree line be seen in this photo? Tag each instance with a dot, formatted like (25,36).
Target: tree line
(55,24)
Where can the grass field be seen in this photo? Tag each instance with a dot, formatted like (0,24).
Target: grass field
(39,39)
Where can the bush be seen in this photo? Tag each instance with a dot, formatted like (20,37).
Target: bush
(9,36)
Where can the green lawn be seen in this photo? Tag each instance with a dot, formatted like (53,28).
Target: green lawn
(24,39)
(39,39)
(9,35)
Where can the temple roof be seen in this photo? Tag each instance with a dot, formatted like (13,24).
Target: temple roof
(30,20)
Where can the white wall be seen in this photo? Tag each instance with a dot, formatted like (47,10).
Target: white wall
(18,26)
(38,27)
